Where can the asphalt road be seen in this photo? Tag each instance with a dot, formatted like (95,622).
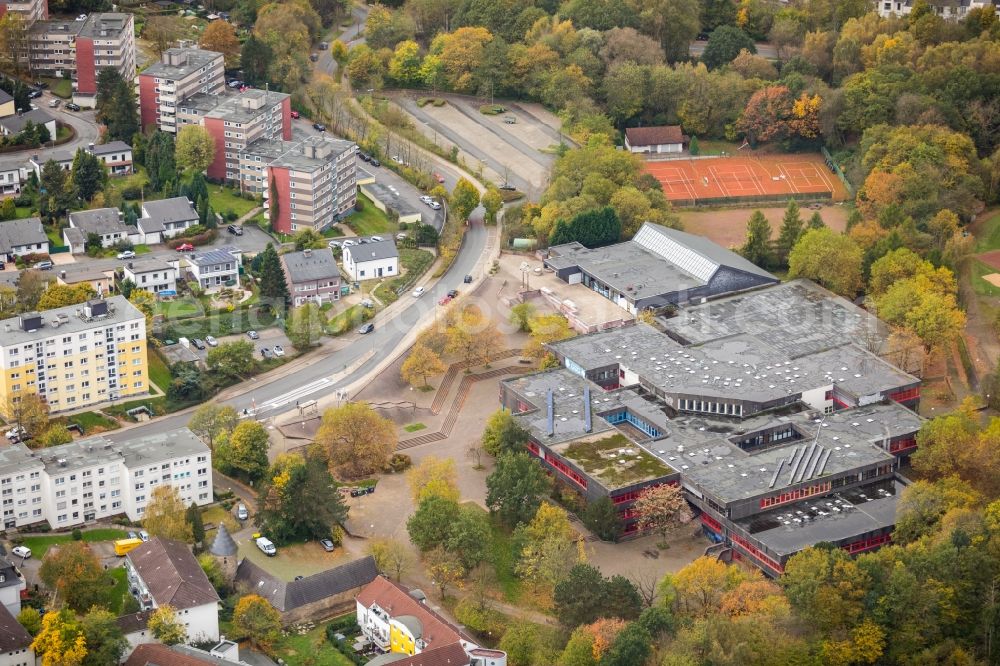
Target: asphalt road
(82,122)
(763,49)
(350,37)
(272,397)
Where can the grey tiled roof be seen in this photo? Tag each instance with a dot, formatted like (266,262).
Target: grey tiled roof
(15,124)
(172,574)
(317,265)
(26,231)
(175,209)
(99,221)
(286,596)
(373,251)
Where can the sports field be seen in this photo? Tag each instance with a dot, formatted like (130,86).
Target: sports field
(715,180)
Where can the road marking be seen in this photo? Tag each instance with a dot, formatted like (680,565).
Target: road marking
(298,393)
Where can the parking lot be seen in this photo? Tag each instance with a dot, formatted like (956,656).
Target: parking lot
(520,152)
(269,337)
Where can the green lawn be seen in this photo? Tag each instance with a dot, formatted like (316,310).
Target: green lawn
(25,211)
(310,649)
(988,237)
(141,249)
(413,427)
(118,599)
(981,286)
(224,200)
(60,87)
(370,220)
(179,308)
(159,373)
(39,545)
(91,421)
(55,236)
(350,318)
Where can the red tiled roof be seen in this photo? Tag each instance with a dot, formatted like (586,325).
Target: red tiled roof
(446,655)
(396,600)
(155,654)
(654,136)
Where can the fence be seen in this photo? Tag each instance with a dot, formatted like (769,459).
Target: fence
(753,199)
(836,169)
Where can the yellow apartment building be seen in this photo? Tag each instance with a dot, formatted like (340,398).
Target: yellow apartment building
(74,356)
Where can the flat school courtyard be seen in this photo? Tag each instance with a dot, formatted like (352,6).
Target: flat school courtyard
(689,181)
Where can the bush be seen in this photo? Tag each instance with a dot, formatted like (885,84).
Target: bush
(132,193)
(77,535)
(439,102)
(399,462)
(231,215)
(480,619)
(200,239)
(359,205)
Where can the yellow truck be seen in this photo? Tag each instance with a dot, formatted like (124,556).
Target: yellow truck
(123,546)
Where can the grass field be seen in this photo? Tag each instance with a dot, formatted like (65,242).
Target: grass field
(55,237)
(60,87)
(310,649)
(224,200)
(981,286)
(370,220)
(39,545)
(413,427)
(346,320)
(92,422)
(988,237)
(179,308)
(118,597)
(159,373)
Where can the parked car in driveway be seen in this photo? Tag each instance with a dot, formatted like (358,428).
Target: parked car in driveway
(294,114)
(198,343)
(127,254)
(44,265)
(71,106)
(253,335)
(211,341)
(319,127)
(241,512)
(266,353)
(266,547)
(185,247)
(278,350)
(54,103)
(235,230)
(21,551)
(327,545)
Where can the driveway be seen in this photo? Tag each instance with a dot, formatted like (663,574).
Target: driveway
(407,192)
(82,122)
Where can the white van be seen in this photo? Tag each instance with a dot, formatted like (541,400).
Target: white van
(266,547)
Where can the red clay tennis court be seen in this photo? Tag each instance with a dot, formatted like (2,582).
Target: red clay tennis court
(770,177)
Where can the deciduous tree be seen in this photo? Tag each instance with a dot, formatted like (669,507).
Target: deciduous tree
(195,149)
(60,641)
(165,515)
(358,440)
(62,295)
(515,488)
(433,476)
(304,326)
(444,569)
(421,363)
(166,627)
(724,44)
(231,360)
(430,524)
(503,434)
(832,259)
(472,336)
(548,547)
(392,557)
(546,329)
(75,574)
(220,36)
(255,619)
(660,508)
(463,200)
(209,421)
(244,451)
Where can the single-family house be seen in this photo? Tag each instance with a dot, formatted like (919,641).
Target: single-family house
(224,652)
(13,175)
(165,218)
(163,572)
(314,597)
(655,140)
(14,125)
(312,275)
(397,621)
(108,223)
(101,281)
(11,585)
(116,155)
(371,259)
(152,275)
(15,642)
(21,237)
(63,158)
(215,269)
(7,107)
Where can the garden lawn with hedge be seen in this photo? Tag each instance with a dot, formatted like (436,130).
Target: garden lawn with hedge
(39,545)
(223,200)
(370,220)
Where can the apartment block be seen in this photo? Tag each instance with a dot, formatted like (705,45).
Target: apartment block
(74,356)
(80,49)
(180,73)
(312,179)
(954,10)
(95,478)
(235,121)
(30,10)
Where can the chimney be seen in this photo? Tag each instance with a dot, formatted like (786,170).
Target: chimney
(589,426)
(90,147)
(62,274)
(552,413)
(307,253)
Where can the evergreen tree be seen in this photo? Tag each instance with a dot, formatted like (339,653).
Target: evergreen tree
(273,206)
(693,146)
(816,221)
(255,58)
(116,105)
(757,247)
(89,174)
(56,194)
(273,289)
(194,519)
(790,233)
(592,228)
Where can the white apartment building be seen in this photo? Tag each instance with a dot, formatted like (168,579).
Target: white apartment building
(152,275)
(215,269)
(74,356)
(955,10)
(94,478)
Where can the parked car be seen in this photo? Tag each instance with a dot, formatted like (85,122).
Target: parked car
(44,266)
(144,535)
(185,247)
(266,547)
(314,57)
(35,94)
(397,159)
(445,300)
(235,230)
(278,350)
(367,303)
(367,328)
(295,114)
(241,511)
(364,157)
(418,292)
(127,254)
(236,83)
(327,545)
(467,279)
(71,106)
(434,205)
(375,162)
(198,343)
(438,177)
(253,335)
(131,535)
(319,127)
(14,432)
(54,103)
(377,239)
(332,244)
(508,186)
(349,243)
(266,353)
(453,293)
(426,199)
(21,551)
(510,120)
(299,577)
(323,46)
(211,341)
(401,235)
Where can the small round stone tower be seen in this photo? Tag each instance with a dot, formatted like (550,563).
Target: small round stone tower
(223,549)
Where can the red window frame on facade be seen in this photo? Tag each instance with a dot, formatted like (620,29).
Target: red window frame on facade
(794,495)
(905,395)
